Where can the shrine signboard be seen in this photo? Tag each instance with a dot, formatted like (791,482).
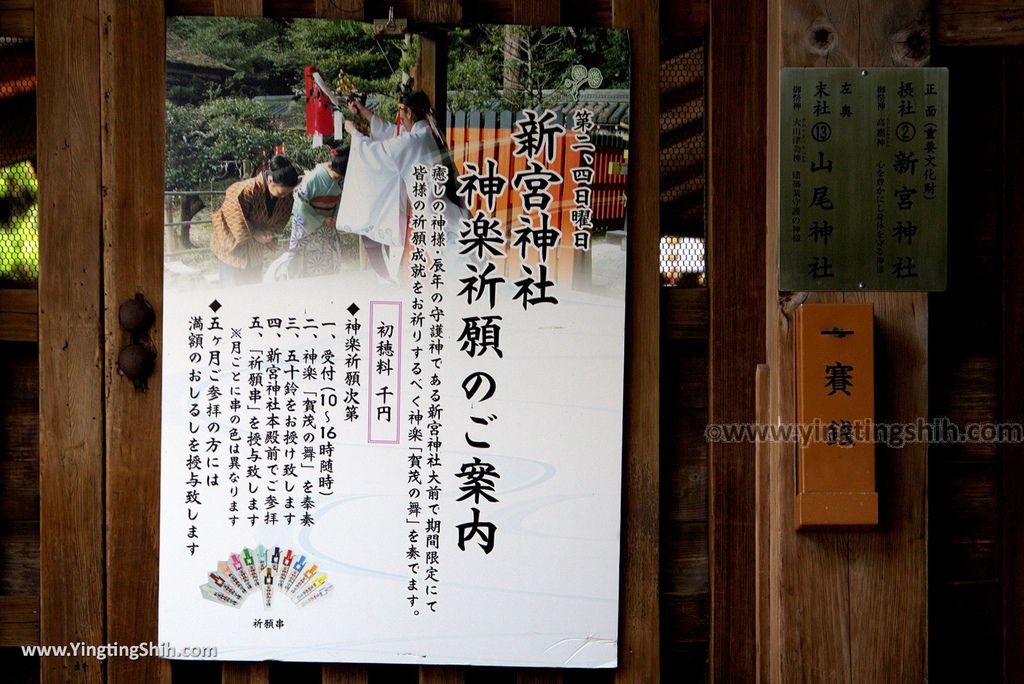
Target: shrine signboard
(863,177)
(393,353)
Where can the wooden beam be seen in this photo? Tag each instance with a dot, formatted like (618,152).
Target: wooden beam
(340,9)
(597,13)
(437,11)
(19,315)
(71,502)
(238,8)
(132,67)
(20,626)
(846,606)
(991,23)
(639,610)
(536,12)
(17,18)
(735,259)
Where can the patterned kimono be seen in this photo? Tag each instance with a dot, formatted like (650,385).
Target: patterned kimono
(248,206)
(314,241)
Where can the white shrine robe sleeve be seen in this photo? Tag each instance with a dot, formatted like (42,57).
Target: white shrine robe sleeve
(372,199)
(381,129)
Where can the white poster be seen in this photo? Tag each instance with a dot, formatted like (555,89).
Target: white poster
(393,345)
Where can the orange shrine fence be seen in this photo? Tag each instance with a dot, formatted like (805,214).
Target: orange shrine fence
(478,135)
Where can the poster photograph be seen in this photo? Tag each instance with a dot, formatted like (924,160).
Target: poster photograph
(393,343)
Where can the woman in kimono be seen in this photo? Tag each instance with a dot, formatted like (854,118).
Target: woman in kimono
(253,214)
(314,246)
(376,199)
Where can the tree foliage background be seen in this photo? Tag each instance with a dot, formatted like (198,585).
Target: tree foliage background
(217,132)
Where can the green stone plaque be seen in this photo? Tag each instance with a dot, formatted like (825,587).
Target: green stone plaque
(863,174)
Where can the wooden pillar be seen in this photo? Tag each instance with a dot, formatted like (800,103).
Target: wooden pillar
(845,606)
(432,72)
(132,62)
(71,381)
(736,247)
(639,623)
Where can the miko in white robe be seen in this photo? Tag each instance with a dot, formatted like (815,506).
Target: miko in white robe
(377,195)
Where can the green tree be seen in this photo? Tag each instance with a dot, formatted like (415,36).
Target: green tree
(217,140)
(511,67)
(254,47)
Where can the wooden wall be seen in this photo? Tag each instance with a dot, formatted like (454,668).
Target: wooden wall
(100,65)
(844,605)
(702,555)
(977,490)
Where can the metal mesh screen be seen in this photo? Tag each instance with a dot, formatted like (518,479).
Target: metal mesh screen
(682,167)
(19,190)
(682,260)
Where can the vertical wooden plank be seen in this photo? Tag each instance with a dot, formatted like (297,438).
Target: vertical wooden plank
(1012,371)
(639,635)
(132,82)
(345,674)
(442,674)
(245,673)
(848,606)
(238,8)
(762,538)
(736,134)
(70,336)
(535,676)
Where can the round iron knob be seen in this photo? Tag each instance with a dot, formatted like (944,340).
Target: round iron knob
(136,362)
(136,315)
